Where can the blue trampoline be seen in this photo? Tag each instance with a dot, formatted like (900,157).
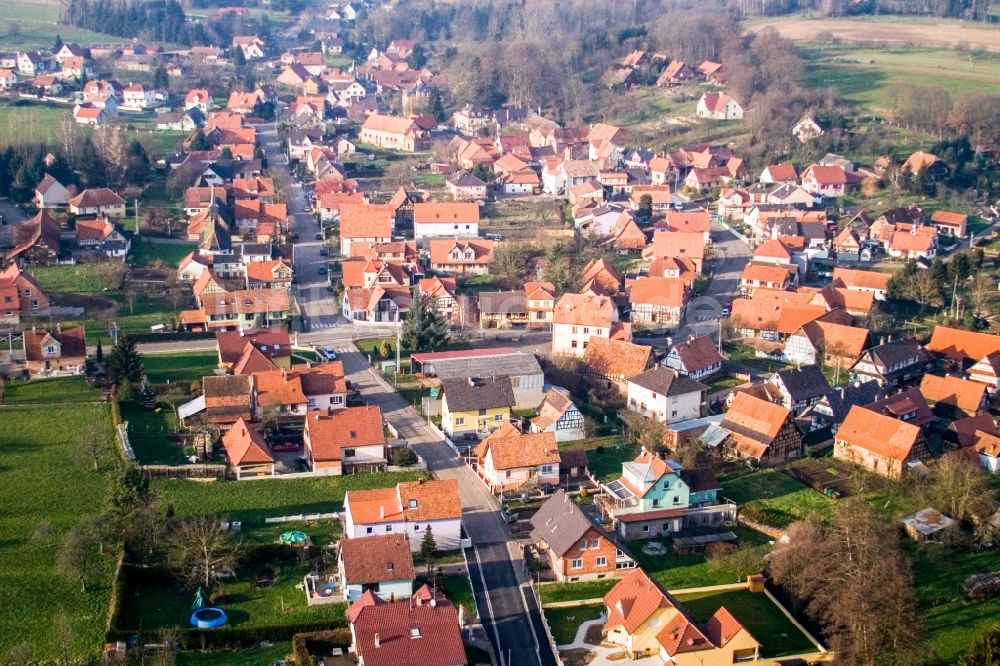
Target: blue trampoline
(208,618)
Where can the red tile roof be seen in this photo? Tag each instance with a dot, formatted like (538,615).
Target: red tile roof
(963,345)
(359,220)
(882,435)
(329,432)
(245,445)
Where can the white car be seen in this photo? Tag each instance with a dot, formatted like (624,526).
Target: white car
(327,353)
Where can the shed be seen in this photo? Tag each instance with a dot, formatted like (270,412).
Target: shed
(927,525)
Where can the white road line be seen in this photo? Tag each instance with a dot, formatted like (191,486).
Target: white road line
(489,606)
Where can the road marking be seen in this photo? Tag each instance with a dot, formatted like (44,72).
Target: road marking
(489,605)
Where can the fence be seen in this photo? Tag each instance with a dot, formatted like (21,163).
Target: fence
(185,471)
(303,518)
(123,440)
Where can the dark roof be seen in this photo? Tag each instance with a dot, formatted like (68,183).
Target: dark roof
(700,479)
(895,352)
(666,381)
(503,302)
(560,523)
(478,393)
(858,394)
(804,383)
(698,353)
(963,431)
(465,179)
(572,458)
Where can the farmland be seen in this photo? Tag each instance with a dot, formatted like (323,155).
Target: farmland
(37,22)
(45,489)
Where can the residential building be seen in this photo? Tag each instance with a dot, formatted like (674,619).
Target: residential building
(678,245)
(575,548)
(541,299)
(718,106)
(666,395)
(908,405)
(615,362)
(273,343)
(828,181)
(510,461)
(50,193)
(880,443)
(697,358)
(502,309)
(761,430)
(56,349)
(475,406)
(20,297)
(645,621)
(100,235)
(892,363)
(826,343)
(558,415)
(656,497)
(97,201)
(521,369)
(393,133)
(226,399)
(380,564)
(198,98)
(463,186)
(798,388)
(452,220)
(987,372)
(658,301)
(874,282)
(345,441)
(953,396)
(411,508)
(962,347)
(948,223)
(461,256)
(363,223)
(247,450)
(579,317)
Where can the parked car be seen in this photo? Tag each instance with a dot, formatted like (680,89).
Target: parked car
(318,236)
(327,353)
(323,270)
(285,446)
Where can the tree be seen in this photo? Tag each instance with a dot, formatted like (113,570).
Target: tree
(985,651)
(93,444)
(137,164)
(100,352)
(961,489)
(63,634)
(510,265)
(385,349)
(642,432)
(125,362)
(645,211)
(239,58)
(160,78)
(738,563)
(80,554)
(198,547)
(57,44)
(424,328)
(404,456)
(198,141)
(982,293)
(130,489)
(428,546)
(923,289)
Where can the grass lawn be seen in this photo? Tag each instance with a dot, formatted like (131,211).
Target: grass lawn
(44,491)
(458,590)
(61,389)
(765,621)
(180,367)
(252,501)
(953,623)
(720,383)
(28,123)
(594,589)
(605,455)
(78,279)
(251,657)
(157,603)
(37,22)
(677,572)
(145,253)
(564,622)
(147,433)
(775,498)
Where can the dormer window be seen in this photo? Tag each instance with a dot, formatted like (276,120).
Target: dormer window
(413,504)
(354,434)
(414,632)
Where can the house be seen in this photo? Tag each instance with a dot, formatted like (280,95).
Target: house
(690,221)
(273,343)
(697,358)
(380,303)
(962,347)
(965,432)
(445,220)
(761,430)
(779,174)
(616,361)
(50,193)
(227,399)
(475,406)
(807,129)
(241,102)
(56,349)
(519,368)
(908,405)
(908,241)
(411,508)
(8,79)
(892,363)
(251,45)
(541,299)
(656,497)
(600,277)
(658,301)
(576,549)
(97,201)
(949,224)
(860,280)
(442,293)
(988,448)
(798,388)
(678,245)
(577,318)
(20,297)
(248,452)
(272,274)
(198,98)
(953,396)
(718,106)
(362,223)
(36,241)
(676,73)
(626,235)
(645,621)
(666,395)
(463,186)
(925,163)
(100,235)
(393,133)
(510,461)
(137,97)
(424,629)
(987,372)
(471,256)
(766,276)
(828,181)
(470,119)
(832,408)
(381,565)
(826,343)
(879,443)
(344,441)
(87,114)
(559,416)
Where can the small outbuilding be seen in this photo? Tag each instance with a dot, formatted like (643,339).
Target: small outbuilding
(927,525)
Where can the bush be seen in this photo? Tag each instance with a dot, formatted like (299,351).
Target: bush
(319,641)
(404,457)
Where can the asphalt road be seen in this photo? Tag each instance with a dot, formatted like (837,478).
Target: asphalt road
(503,596)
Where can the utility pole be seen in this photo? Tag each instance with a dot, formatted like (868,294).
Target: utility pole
(399,332)
(137,216)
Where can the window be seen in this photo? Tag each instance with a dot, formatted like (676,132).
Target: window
(583,545)
(413,504)
(576,564)
(602,561)
(595,543)
(509,474)
(586,330)
(388,528)
(416,528)
(546,469)
(645,528)
(677,499)
(369,530)
(459,420)
(574,329)
(348,453)
(482,412)
(573,344)
(673,413)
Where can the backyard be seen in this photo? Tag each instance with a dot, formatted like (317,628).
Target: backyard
(79,279)
(776,499)
(605,455)
(145,253)
(180,367)
(147,433)
(45,391)
(564,622)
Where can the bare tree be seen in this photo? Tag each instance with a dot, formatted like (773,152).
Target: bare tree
(982,293)
(924,289)
(80,555)
(130,298)
(68,134)
(738,563)
(109,142)
(62,634)
(961,489)
(92,443)
(199,547)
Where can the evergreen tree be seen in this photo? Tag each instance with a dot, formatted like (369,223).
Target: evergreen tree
(226,153)
(645,211)
(413,326)
(199,142)
(160,77)
(424,328)
(239,59)
(131,488)
(125,362)
(435,104)
(58,44)
(100,352)
(137,166)
(428,546)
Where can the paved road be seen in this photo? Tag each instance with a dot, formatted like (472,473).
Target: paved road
(506,605)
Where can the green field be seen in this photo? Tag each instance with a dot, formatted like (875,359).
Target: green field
(78,279)
(606,463)
(145,253)
(180,366)
(147,433)
(775,498)
(37,22)
(458,590)
(29,123)
(765,621)
(63,389)
(44,490)
(252,501)
(862,73)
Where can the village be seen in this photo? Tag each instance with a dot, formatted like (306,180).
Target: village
(305,357)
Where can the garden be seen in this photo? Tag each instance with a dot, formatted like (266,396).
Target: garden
(774,498)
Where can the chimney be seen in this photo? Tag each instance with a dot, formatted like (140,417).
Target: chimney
(434,601)
(381,511)
(378,640)
(58,327)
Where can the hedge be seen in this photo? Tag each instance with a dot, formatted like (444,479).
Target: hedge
(227,637)
(333,637)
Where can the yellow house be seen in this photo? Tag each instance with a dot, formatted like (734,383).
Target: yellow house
(646,621)
(475,405)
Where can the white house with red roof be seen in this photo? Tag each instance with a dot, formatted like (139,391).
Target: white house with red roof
(346,440)
(719,106)
(411,508)
(248,452)
(828,181)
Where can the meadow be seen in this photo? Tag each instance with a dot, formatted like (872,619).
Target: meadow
(180,366)
(146,254)
(36,20)
(45,489)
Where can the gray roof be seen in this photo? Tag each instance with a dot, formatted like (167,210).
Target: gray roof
(507,365)
(857,394)
(469,393)
(804,383)
(465,179)
(560,523)
(506,302)
(666,381)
